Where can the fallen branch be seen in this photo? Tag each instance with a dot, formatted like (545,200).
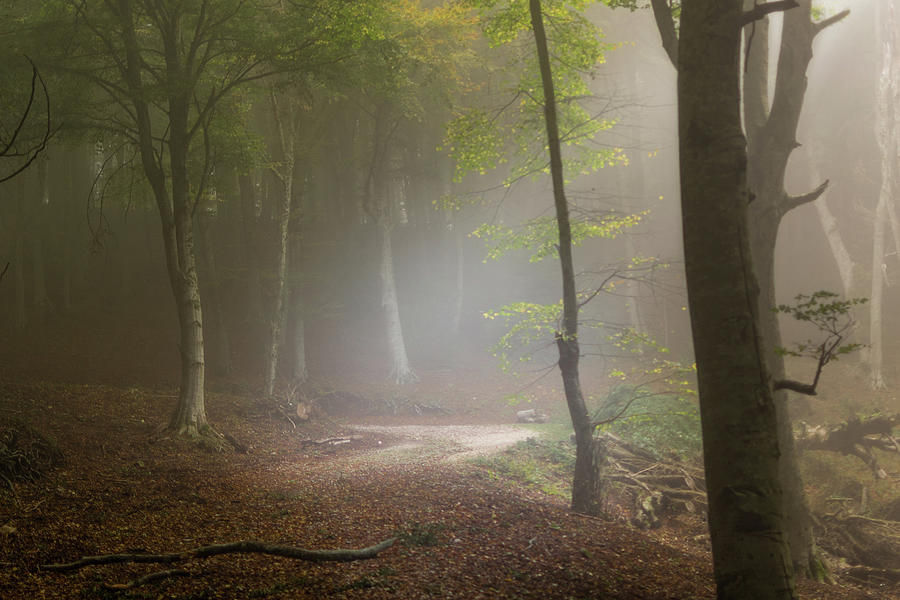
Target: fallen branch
(158,576)
(242,547)
(856,436)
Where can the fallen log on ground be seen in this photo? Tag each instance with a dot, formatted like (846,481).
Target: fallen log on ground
(241,547)
(657,485)
(857,437)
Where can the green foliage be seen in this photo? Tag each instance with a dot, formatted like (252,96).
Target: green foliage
(830,315)
(652,364)
(662,423)
(546,464)
(516,121)
(541,236)
(654,404)
(528,323)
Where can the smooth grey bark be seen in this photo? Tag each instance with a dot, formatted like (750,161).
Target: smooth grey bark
(459,256)
(887,134)
(771,140)
(401,371)
(172,194)
(770,135)
(751,559)
(586,490)
(378,206)
(285,128)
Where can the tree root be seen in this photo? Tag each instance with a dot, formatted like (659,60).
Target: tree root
(241,547)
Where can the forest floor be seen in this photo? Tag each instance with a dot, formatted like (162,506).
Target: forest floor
(462,532)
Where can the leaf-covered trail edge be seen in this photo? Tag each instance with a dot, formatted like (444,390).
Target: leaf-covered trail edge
(463,533)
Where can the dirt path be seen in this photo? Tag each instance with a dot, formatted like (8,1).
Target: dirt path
(448,442)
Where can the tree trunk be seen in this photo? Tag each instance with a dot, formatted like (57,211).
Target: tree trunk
(887,133)
(175,211)
(286,137)
(738,412)
(771,139)
(586,490)
(459,257)
(401,372)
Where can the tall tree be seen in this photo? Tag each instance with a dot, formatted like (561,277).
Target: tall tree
(585,483)
(738,414)
(771,139)
(162,67)
(410,63)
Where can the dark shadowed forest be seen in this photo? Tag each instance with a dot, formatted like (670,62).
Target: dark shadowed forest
(449,299)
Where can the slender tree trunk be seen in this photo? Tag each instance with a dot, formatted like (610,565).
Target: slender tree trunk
(175,211)
(377,205)
(189,417)
(459,257)
(299,371)
(286,134)
(586,491)
(771,139)
(277,318)
(401,371)
(751,558)
(887,133)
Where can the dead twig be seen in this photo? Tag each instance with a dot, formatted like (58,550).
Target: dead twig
(241,547)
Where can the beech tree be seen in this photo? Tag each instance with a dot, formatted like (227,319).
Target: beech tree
(552,133)
(771,139)
(741,448)
(159,70)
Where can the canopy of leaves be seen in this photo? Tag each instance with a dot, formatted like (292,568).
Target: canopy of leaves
(478,137)
(541,236)
(830,315)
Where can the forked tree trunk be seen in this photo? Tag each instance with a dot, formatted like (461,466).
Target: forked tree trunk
(175,210)
(586,490)
(741,447)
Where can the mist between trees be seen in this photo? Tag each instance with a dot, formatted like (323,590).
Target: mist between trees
(283,196)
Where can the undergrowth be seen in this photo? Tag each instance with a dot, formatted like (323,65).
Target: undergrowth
(545,464)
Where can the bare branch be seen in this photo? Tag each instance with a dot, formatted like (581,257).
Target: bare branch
(789,203)
(795,386)
(818,27)
(761,10)
(242,547)
(665,23)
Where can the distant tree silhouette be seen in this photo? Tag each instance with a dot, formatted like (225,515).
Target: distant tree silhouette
(11,147)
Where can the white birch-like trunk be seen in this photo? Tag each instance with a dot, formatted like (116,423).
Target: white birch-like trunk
(401,372)
(459,240)
(300,371)
(285,174)
(886,133)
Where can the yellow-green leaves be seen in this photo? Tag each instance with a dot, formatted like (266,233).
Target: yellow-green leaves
(540,236)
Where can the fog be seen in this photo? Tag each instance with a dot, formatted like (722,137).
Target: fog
(81,231)
(353,263)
